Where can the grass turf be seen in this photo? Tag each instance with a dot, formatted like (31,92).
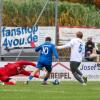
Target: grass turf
(64,91)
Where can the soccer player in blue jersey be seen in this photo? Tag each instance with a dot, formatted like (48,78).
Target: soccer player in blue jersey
(46,51)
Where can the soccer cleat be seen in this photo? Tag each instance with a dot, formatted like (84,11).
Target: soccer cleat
(26,82)
(2,83)
(85,79)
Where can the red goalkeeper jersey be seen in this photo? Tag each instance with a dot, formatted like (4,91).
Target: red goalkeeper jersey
(16,68)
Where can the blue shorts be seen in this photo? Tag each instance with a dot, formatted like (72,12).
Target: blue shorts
(47,67)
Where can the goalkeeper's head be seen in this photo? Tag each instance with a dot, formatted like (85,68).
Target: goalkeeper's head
(48,39)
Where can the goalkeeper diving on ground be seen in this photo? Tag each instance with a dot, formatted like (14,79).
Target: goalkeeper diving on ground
(12,69)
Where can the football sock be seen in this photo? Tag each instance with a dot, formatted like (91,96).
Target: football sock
(30,77)
(79,72)
(78,77)
(45,79)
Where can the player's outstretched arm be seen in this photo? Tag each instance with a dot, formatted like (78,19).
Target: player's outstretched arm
(24,62)
(63,46)
(55,53)
(37,49)
(68,45)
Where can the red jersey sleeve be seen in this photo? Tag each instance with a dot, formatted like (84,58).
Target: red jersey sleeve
(26,73)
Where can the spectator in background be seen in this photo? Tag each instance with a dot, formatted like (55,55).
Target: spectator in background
(89,46)
(90,50)
(98,48)
(98,51)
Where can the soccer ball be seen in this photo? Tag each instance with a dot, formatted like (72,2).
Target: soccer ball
(56,82)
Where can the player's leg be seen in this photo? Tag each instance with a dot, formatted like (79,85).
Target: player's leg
(78,77)
(28,73)
(48,69)
(1,77)
(74,66)
(33,74)
(80,73)
(46,78)
(10,82)
(7,81)
(1,83)
(37,70)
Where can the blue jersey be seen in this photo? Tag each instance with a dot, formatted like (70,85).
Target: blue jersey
(46,51)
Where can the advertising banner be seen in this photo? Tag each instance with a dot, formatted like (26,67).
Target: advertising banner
(67,33)
(62,71)
(91,70)
(22,36)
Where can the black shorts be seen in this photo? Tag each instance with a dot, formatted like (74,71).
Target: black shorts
(47,67)
(74,66)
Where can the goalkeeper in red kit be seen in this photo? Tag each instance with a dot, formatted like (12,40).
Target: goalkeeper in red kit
(12,69)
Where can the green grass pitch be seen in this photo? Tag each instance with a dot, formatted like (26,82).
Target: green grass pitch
(64,91)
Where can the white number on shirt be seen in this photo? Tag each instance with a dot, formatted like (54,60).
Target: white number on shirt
(80,48)
(45,50)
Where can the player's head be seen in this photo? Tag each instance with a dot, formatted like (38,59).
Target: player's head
(79,35)
(48,39)
(89,39)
